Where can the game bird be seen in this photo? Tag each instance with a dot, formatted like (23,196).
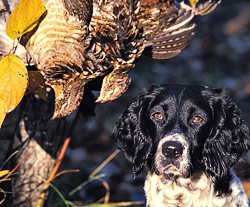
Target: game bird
(77,41)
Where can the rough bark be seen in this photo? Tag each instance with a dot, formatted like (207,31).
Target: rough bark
(41,138)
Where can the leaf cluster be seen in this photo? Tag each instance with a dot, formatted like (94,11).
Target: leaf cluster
(13,72)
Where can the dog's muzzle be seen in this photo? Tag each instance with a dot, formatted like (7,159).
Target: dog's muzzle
(172,156)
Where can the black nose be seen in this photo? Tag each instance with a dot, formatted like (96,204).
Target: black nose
(172,149)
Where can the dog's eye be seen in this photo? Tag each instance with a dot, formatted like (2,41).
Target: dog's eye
(197,119)
(158,115)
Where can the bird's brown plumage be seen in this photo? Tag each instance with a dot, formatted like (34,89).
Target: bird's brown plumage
(80,40)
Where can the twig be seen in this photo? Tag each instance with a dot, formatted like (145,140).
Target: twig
(105,162)
(13,49)
(4,195)
(66,171)
(58,163)
(55,189)
(130,203)
(79,187)
(93,175)
(107,195)
(7,160)
(11,172)
(53,173)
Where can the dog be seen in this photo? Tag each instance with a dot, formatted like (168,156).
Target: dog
(188,137)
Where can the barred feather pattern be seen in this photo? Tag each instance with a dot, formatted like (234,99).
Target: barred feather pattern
(80,40)
(69,54)
(115,26)
(58,47)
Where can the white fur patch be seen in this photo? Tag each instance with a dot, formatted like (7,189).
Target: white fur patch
(197,191)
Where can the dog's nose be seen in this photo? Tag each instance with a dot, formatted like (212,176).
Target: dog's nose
(172,149)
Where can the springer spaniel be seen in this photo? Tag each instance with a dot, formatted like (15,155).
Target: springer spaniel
(189,137)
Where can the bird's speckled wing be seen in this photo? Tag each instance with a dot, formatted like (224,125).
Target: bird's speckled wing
(115,28)
(167,26)
(164,27)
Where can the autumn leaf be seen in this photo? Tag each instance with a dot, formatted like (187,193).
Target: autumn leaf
(24,18)
(2,113)
(3,172)
(13,81)
(192,2)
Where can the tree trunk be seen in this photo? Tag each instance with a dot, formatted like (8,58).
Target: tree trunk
(41,138)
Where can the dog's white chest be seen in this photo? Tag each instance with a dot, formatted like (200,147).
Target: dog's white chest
(194,192)
(162,192)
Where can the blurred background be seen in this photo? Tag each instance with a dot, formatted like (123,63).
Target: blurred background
(218,56)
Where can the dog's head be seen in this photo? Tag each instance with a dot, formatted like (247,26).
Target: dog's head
(178,129)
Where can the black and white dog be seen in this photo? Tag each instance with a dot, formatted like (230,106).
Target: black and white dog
(189,137)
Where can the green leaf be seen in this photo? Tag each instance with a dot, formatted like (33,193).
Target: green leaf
(13,81)
(24,18)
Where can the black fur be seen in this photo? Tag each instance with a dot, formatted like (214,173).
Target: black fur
(216,144)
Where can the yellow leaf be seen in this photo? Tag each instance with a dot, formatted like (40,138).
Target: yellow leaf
(13,81)
(3,172)
(24,18)
(192,2)
(2,114)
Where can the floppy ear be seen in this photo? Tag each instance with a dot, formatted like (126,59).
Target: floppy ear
(229,138)
(131,134)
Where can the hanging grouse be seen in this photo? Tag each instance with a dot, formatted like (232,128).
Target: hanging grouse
(80,40)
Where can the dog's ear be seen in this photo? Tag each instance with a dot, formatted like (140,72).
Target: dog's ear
(229,138)
(131,134)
